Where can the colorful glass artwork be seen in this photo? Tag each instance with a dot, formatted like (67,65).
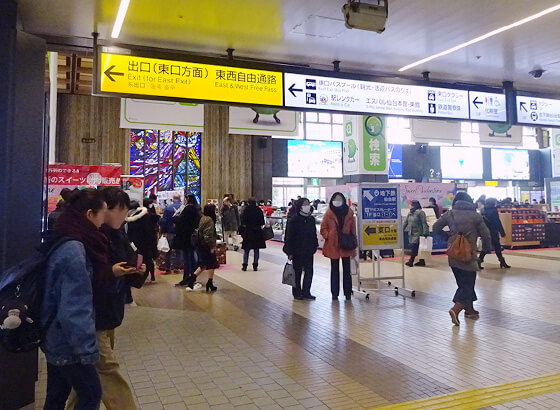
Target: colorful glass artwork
(168,160)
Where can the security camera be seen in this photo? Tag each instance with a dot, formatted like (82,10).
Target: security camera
(537,73)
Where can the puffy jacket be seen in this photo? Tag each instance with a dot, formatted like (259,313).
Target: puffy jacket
(207,232)
(464,219)
(230,218)
(142,231)
(301,236)
(329,231)
(416,226)
(68,295)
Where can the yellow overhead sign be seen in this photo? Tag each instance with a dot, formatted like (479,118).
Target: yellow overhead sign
(124,74)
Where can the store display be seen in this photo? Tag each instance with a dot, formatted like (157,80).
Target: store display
(320,159)
(461,162)
(523,226)
(510,164)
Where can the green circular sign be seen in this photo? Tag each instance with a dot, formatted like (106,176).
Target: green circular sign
(374,125)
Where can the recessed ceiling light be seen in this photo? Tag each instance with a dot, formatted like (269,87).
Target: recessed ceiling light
(120,18)
(482,37)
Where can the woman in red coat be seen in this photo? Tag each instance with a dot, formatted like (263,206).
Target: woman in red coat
(338,219)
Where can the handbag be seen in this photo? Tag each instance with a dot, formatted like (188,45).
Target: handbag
(289,274)
(163,245)
(268,232)
(460,248)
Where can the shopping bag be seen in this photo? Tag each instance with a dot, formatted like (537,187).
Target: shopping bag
(289,275)
(426,244)
(268,232)
(479,244)
(354,265)
(163,245)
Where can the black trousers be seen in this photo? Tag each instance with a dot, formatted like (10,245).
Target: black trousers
(82,378)
(150,268)
(497,247)
(465,294)
(346,277)
(303,263)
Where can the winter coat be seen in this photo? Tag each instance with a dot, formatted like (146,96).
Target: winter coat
(252,221)
(110,299)
(166,223)
(436,210)
(463,218)
(185,224)
(53,216)
(68,295)
(301,236)
(493,222)
(416,226)
(230,218)
(329,231)
(142,231)
(207,232)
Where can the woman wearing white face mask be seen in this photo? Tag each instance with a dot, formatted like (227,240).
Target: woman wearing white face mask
(300,243)
(339,231)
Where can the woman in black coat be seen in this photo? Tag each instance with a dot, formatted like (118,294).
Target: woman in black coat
(185,224)
(142,231)
(300,244)
(492,220)
(252,221)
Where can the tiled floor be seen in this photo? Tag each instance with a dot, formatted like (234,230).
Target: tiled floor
(250,345)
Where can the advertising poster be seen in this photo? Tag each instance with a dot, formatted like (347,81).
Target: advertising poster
(79,176)
(375,145)
(352,146)
(321,159)
(443,193)
(133,185)
(379,216)
(555,142)
(395,161)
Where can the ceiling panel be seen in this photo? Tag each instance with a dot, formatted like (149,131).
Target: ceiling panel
(313,32)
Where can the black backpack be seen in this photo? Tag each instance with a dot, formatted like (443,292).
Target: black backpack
(21,289)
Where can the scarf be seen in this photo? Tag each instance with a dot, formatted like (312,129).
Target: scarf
(75,225)
(340,213)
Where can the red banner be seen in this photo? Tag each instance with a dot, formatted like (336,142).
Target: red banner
(75,176)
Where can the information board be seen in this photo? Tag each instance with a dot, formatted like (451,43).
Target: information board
(538,111)
(128,74)
(339,94)
(487,106)
(379,219)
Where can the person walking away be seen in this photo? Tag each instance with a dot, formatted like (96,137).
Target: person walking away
(435,207)
(338,220)
(463,219)
(492,220)
(185,224)
(230,223)
(252,221)
(142,232)
(300,244)
(168,228)
(110,294)
(416,226)
(67,312)
(207,238)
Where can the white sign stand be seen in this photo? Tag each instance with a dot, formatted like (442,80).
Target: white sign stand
(379,215)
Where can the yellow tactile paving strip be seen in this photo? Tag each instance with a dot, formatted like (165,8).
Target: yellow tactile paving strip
(486,396)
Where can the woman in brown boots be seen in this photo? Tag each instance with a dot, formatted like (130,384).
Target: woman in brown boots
(463,219)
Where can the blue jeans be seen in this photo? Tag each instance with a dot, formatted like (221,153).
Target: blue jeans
(191,262)
(82,377)
(465,286)
(256,254)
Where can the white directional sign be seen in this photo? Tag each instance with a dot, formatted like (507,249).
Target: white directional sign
(538,111)
(487,106)
(339,94)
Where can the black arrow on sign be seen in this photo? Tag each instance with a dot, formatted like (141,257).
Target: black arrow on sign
(109,73)
(293,90)
(370,230)
(475,102)
(522,106)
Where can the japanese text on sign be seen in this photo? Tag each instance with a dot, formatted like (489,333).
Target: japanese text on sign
(125,74)
(379,204)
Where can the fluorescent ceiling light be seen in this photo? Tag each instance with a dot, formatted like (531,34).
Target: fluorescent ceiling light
(483,37)
(120,18)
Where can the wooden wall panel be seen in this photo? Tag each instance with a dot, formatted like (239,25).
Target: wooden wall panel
(85,116)
(226,159)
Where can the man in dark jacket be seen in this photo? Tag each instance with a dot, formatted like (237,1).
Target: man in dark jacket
(300,244)
(230,223)
(168,228)
(494,224)
(185,224)
(252,221)
(109,299)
